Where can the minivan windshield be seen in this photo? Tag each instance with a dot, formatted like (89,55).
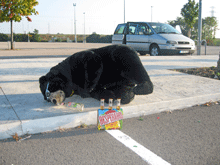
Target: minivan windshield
(160,28)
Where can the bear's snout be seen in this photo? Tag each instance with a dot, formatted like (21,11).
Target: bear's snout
(54,101)
(57,97)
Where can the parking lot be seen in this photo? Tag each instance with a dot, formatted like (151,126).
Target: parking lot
(62,49)
(182,137)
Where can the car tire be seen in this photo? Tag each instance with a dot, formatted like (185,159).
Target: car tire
(142,53)
(154,50)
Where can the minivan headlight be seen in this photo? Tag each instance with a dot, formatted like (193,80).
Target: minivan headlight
(192,43)
(171,42)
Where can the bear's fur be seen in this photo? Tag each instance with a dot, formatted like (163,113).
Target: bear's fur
(113,71)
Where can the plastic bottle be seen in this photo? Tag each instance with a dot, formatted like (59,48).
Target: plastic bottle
(77,106)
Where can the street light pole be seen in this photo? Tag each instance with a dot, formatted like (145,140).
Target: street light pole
(75,21)
(84,27)
(151,13)
(124,11)
(199,29)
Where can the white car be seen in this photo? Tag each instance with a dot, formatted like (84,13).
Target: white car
(153,38)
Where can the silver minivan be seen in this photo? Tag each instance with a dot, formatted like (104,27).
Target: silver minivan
(154,38)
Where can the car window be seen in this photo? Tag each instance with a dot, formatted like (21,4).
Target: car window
(132,29)
(163,28)
(120,29)
(143,29)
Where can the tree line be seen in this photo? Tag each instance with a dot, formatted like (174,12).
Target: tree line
(189,23)
(209,27)
(32,37)
(36,37)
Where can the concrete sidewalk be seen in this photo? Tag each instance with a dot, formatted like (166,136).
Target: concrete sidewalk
(31,114)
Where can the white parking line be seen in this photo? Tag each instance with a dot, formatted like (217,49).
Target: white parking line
(143,152)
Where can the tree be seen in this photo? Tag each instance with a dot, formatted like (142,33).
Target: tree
(96,38)
(181,22)
(3,37)
(20,37)
(35,37)
(93,38)
(190,13)
(13,10)
(210,26)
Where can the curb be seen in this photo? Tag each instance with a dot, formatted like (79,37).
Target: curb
(90,118)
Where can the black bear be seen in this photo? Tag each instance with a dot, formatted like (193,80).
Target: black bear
(113,71)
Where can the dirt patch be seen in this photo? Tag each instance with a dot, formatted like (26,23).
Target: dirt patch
(210,72)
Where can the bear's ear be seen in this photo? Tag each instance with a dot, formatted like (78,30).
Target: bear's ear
(42,79)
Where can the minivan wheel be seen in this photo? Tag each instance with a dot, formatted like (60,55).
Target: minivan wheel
(142,53)
(154,50)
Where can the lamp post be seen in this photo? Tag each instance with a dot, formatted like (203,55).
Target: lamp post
(199,29)
(124,11)
(151,13)
(84,40)
(75,21)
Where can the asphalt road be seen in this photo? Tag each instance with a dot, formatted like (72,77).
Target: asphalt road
(184,137)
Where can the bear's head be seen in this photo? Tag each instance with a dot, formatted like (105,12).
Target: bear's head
(52,89)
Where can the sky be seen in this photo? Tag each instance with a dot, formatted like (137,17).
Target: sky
(102,16)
